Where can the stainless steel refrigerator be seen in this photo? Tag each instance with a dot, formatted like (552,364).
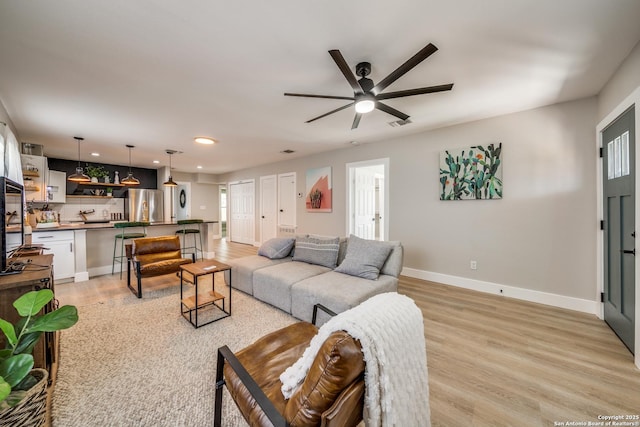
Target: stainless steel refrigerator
(144,205)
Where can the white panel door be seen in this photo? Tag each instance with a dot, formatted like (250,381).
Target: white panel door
(268,207)
(242,213)
(287,199)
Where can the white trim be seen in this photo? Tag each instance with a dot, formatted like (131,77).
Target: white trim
(555,300)
(632,99)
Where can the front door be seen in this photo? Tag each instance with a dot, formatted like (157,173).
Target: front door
(619,226)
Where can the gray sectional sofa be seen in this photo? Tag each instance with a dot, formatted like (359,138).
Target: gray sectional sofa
(294,274)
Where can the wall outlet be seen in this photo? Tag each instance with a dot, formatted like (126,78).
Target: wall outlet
(473,265)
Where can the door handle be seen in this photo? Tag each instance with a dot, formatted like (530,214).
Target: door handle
(625,251)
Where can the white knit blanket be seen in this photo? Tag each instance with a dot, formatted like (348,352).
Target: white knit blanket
(391,331)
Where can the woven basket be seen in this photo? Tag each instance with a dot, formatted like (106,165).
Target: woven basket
(32,409)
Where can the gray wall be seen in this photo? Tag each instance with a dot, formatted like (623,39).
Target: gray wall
(624,81)
(540,236)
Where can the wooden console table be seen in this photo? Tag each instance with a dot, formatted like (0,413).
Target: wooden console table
(38,274)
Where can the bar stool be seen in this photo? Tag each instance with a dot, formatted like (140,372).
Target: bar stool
(122,236)
(184,232)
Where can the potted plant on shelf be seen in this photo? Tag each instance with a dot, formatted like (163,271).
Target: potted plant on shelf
(22,388)
(96,172)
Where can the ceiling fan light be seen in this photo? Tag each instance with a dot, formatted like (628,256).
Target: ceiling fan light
(364,106)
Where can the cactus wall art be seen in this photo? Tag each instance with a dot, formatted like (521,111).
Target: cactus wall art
(471,173)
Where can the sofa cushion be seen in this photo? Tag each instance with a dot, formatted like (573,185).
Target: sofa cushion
(318,251)
(364,258)
(243,269)
(393,264)
(273,284)
(336,291)
(277,248)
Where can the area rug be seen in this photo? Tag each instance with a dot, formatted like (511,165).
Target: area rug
(138,362)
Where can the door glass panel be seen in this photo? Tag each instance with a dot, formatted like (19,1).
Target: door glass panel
(618,156)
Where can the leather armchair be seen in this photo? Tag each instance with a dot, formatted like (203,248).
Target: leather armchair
(331,395)
(154,256)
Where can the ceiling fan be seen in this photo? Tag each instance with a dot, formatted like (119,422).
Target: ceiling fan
(366,96)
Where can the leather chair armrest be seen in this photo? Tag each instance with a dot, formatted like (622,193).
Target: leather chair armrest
(225,354)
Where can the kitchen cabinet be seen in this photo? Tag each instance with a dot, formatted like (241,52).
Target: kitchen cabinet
(57,187)
(35,172)
(60,244)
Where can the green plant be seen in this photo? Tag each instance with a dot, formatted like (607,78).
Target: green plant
(96,171)
(16,359)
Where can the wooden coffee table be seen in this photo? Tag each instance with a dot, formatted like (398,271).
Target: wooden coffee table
(190,273)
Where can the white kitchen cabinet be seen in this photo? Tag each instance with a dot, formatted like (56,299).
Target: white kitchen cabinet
(35,173)
(60,244)
(57,187)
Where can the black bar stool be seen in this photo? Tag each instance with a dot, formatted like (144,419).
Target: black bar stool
(122,236)
(184,232)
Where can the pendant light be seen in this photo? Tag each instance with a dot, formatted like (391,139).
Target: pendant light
(170,182)
(79,176)
(130,179)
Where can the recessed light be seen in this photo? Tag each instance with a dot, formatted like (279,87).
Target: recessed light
(199,167)
(156,161)
(95,154)
(204,140)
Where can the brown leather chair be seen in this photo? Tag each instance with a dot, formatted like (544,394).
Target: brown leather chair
(154,256)
(331,395)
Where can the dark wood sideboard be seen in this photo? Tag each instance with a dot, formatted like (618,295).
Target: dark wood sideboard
(37,275)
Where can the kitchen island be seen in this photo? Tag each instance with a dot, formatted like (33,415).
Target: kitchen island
(84,250)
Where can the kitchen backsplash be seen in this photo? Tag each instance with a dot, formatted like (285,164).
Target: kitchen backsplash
(103,209)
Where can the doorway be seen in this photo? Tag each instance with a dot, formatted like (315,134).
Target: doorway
(367,199)
(268,208)
(618,140)
(222,198)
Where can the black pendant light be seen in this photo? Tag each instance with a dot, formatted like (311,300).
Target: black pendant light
(170,182)
(79,176)
(130,179)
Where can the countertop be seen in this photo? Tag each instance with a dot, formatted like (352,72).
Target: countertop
(96,226)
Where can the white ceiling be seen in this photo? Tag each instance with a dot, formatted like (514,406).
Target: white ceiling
(156,73)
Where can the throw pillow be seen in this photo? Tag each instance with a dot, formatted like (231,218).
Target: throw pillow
(276,248)
(364,258)
(317,251)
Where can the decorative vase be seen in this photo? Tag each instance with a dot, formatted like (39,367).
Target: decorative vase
(94,179)
(116,178)
(32,409)
(106,180)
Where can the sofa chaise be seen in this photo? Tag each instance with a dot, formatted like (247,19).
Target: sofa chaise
(294,274)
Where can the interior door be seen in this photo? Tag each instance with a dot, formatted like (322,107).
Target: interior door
(242,214)
(619,226)
(287,199)
(365,203)
(268,207)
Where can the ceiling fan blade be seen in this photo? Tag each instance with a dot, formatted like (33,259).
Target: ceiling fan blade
(330,112)
(390,110)
(356,121)
(306,95)
(411,92)
(348,74)
(404,68)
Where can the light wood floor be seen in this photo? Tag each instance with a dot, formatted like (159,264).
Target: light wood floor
(493,361)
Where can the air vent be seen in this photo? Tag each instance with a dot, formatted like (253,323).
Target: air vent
(399,123)
(287,151)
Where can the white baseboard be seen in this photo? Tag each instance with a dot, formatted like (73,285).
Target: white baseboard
(555,300)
